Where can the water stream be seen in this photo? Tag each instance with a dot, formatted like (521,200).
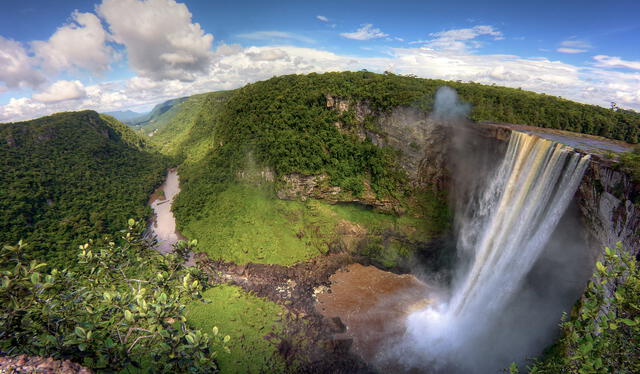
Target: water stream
(163,224)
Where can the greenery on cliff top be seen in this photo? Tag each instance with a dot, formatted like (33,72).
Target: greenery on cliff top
(283,124)
(69,177)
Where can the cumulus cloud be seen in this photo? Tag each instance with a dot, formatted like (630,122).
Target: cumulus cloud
(16,67)
(21,108)
(268,55)
(234,66)
(61,91)
(573,46)
(615,62)
(322,18)
(365,32)
(79,44)
(460,39)
(275,35)
(161,40)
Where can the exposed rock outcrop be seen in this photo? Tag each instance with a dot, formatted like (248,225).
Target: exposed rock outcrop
(606,198)
(422,143)
(297,186)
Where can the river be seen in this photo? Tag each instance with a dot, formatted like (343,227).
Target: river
(163,223)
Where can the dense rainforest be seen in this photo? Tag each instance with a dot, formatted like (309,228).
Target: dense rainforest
(284,124)
(70,177)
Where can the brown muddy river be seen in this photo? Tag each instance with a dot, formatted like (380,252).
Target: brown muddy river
(163,224)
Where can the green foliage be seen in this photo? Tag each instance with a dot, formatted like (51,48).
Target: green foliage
(249,320)
(70,177)
(185,129)
(122,309)
(285,124)
(247,223)
(603,334)
(630,163)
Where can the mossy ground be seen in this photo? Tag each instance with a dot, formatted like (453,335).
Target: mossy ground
(247,223)
(248,320)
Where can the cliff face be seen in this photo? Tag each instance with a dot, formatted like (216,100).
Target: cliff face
(422,144)
(428,151)
(606,200)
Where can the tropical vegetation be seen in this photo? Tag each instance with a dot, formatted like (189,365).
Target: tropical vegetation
(70,177)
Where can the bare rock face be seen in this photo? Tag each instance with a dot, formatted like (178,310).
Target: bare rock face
(300,187)
(297,186)
(606,198)
(423,145)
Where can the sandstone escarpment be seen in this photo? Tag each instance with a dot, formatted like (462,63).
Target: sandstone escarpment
(422,143)
(606,198)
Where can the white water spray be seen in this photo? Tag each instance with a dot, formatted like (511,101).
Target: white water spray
(505,234)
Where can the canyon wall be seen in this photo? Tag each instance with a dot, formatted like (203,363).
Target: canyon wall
(427,151)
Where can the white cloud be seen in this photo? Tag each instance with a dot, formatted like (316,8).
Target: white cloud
(268,55)
(460,39)
(61,91)
(79,44)
(234,66)
(365,32)
(22,108)
(576,43)
(275,35)
(571,50)
(615,62)
(161,40)
(322,18)
(573,46)
(16,67)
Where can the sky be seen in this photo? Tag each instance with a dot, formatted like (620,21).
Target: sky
(109,55)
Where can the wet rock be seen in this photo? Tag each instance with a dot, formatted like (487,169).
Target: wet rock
(336,326)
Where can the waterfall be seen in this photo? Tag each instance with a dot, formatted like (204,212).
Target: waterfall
(521,207)
(503,231)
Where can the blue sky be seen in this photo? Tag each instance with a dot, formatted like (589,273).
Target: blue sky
(131,54)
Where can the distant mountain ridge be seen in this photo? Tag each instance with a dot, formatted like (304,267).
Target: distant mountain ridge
(157,111)
(125,116)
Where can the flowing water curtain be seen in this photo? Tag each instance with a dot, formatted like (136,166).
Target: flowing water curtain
(514,219)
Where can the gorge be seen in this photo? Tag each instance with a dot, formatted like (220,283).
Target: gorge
(339,231)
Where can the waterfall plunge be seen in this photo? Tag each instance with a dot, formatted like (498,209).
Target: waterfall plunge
(504,232)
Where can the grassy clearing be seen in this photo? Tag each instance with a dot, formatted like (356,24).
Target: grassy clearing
(247,319)
(248,224)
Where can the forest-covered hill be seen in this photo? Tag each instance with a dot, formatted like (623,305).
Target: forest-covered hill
(70,177)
